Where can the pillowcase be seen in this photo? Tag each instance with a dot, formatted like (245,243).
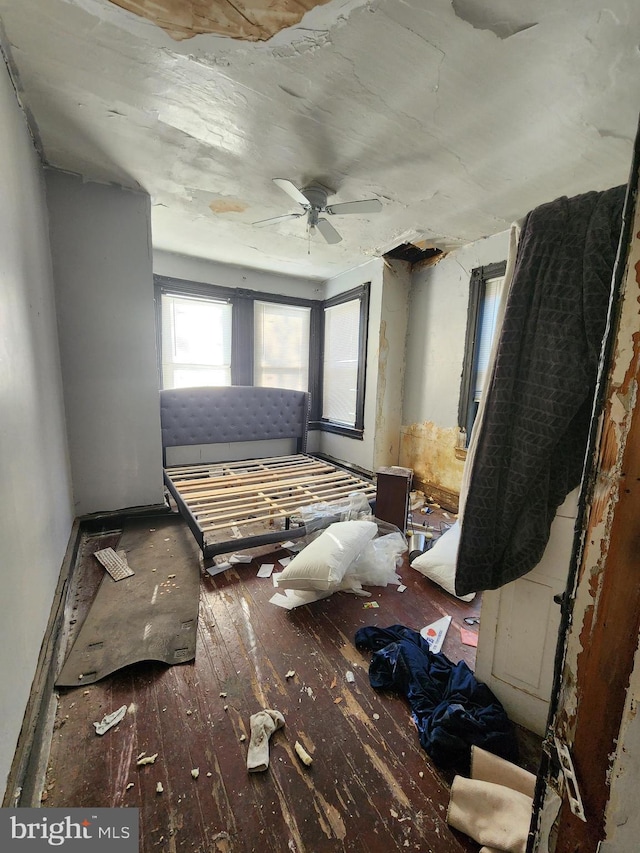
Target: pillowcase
(439,562)
(323,563)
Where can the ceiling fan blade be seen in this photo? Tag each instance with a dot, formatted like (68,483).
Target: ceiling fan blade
(366,205)
(261,222)
(291,190)
(328,231)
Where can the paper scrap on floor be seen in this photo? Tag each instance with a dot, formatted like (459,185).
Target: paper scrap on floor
(291,598)
(218,567)
(265,570)
(435,633)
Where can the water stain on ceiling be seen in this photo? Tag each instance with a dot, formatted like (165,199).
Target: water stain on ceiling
(247,20)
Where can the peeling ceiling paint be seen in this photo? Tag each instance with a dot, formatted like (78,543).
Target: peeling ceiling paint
(256,20)
(498,16)
(457,114)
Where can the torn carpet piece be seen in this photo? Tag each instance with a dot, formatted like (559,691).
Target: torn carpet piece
(151,615)
(531,442)
(451,709)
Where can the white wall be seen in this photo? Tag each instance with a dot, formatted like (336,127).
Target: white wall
(224,275)
(434,356)
(436,332)
(35,499)
(101,250)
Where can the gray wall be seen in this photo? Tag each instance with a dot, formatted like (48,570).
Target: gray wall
(35,499)
(101,250)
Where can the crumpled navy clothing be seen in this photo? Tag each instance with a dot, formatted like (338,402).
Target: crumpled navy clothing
(451,709)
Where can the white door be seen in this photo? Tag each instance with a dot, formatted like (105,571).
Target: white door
(519,629)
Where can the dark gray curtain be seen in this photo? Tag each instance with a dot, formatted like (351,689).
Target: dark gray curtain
(531,444)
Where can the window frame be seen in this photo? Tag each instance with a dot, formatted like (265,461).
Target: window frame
(361,294)
(242,337)
(477,290)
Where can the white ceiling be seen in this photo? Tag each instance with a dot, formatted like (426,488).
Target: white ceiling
(459,115)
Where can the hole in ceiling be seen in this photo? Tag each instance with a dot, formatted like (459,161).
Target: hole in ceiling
(413,254)
(247,20)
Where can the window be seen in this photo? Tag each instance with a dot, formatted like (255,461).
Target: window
(281,345)
(213,335)
(196,341)
(343,362)
(484,299)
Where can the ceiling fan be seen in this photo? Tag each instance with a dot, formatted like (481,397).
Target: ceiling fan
(314,202)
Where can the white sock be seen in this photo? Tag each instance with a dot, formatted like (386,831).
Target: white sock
(263,725)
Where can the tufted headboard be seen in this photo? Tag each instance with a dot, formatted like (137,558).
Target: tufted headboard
(214,415)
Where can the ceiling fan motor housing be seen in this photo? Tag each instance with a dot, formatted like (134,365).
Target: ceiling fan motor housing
(317,196)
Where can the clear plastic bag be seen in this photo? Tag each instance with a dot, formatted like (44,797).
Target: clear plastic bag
(377,563)
(320,515)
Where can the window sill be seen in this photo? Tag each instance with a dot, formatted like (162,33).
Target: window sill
(337,429)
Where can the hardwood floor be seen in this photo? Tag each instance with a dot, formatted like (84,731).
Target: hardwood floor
(370,788)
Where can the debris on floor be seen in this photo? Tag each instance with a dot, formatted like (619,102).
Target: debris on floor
(240,558)
(469,638)
(265,570)
(146,759)
(263,724)
(302,754)
(110,720)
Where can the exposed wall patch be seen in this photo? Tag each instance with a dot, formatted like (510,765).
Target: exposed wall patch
(228,205)
(247,20)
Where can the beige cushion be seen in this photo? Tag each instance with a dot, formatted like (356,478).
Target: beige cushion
(323,563)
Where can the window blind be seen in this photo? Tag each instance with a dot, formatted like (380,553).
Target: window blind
(196,341)
(281,345)
(340,364)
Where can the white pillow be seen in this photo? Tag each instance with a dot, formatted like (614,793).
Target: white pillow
(439,562)
(323,563)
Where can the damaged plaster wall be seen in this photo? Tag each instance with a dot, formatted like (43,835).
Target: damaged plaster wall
(248,20)
(37,514)
(434,357)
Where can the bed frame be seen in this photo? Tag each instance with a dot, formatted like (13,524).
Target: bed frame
(230,506)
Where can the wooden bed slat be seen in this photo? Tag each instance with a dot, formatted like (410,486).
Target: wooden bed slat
(283,511)
(211,494)
(229,481)
(257,494)
(302,495)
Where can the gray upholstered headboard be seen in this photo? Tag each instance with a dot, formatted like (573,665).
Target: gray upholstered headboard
(214,415)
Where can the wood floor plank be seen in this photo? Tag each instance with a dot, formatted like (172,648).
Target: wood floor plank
(370,788)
